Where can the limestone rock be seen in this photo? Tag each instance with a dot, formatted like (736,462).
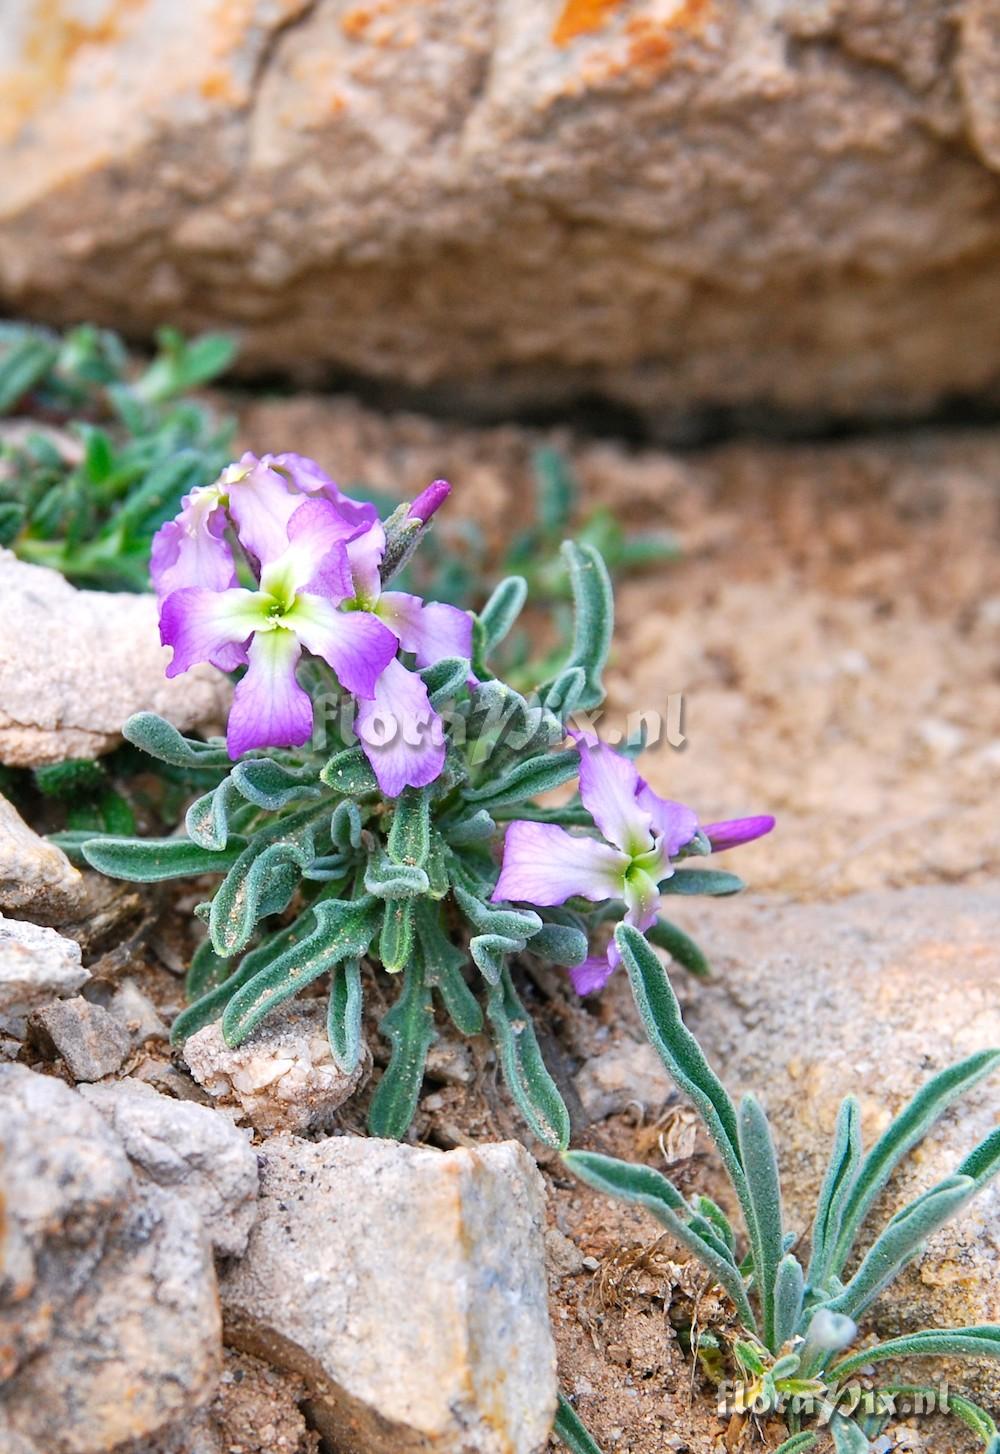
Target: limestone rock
(36,877)
(870,996)
(88,1037)
(36,966)
(187,1148)
(283,1078)
(75,664)
(625,1073)
(109,1318)
(407,1287)
(678,203)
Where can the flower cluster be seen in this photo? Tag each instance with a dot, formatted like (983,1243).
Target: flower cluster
(314,556)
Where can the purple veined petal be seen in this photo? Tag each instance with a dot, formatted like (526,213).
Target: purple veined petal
(365,552)
(314,556)
(261,503)
(544,864)
(430,500)
(354,643)
(734,831)
(209,626)
(309,477)
(675,824)
(430,629)
(608,785)
(593,974)
(269,708)
(191,550)
(400,733)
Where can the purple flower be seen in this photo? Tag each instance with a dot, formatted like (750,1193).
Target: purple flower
(401,734)
(296,606)
(429,501)
(545,865)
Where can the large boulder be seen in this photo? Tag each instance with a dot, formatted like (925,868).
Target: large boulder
(74,664)
(680,203)
(870,996)
(407,1287)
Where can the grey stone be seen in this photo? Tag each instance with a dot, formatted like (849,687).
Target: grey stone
(90,1040)
(109,1318)
(678,203)
(869,996)
(75,664)
(283,1078)
(36,877)
(37,965)
(188,1148)
(407,1287)
(136,1014)
(623,1074)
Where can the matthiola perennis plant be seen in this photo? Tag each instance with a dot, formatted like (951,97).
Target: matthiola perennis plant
(374,805)
(795,1349)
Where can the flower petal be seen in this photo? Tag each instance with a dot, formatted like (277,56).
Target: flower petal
(365,552)
(675,824)
(734,831)
(314,556)
(306,475)
(191,550)
(430,629)
(608,785)
(430,500)
(354,643)
(593,974)
(209,626)
(401,734)
(261,503)
(544,864)
(269,708)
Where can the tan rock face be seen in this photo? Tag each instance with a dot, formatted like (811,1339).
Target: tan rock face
(407,1287)
(677,202)
(36,877)
(75,664)
(871,997)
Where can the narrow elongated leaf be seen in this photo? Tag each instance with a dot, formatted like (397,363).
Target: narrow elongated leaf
(503,931)
(210,1005)
(563,693)
(789,1295)
(906,1130)
(713,1213)
(241,898)
(526,780)
(594,618)
(570,1428)
(681,1053)
(207,819)
(409,1027)
(150,860)
(271,785)
(974,1417)
(560,944)
(445,679)
(847,1437)
(342,929)
(160,739)
(702,881)
(437,867)
(983,1163)
(979,1341)
(409,839)
(207,970)
(444,965)
(841,1172)
(646,1187)
(502,610)
(760,1165)
(388,880)
(343,1019)
(395,942)
(680,946)
(350,774)
(477,827)
(901,1240)
(345,826)
(797,1444)
(524,1070)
